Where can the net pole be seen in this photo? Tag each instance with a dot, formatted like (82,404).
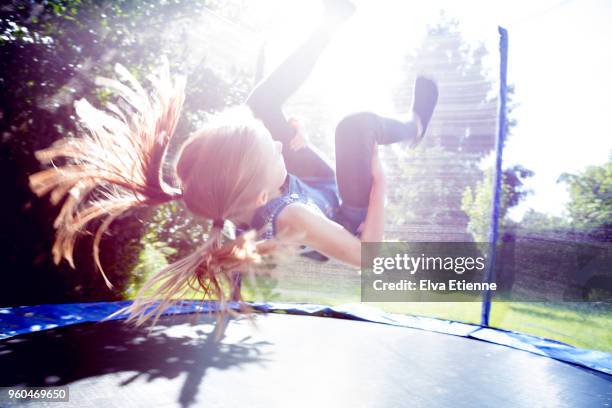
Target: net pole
(497,183)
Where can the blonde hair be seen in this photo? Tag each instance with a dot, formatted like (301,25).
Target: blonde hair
(223,166)
(221,169)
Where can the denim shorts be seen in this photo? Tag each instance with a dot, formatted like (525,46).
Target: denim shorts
(351,218)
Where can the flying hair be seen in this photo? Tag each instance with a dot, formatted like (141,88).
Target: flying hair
(120,156)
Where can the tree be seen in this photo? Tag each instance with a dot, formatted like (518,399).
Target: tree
(432,179)
(477,203)
(536,221)
(50,53)
(590,204)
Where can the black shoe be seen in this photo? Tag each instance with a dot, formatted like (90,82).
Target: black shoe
(424,101)
(312,254)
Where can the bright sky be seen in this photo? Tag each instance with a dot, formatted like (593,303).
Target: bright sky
(560,60)
(561,63)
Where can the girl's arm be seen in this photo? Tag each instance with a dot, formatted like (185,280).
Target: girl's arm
(324,235)
(299,224)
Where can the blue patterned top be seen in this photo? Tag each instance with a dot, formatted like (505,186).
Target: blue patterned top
(320,195)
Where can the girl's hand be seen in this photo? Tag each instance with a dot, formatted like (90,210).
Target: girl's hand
(300,140)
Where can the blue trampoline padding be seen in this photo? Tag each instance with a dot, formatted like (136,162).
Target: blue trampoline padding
(26,319)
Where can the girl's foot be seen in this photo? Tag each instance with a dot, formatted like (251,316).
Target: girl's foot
(424,101)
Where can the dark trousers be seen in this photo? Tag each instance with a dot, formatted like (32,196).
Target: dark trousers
(356,135)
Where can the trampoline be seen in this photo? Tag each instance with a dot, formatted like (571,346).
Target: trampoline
(289,360)
(303,355)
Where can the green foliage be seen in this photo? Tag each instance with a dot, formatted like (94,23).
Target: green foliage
(178,229)
(477,202)
(261,288)
(429,194)
(536,221)
(589,209)
(151,258)
(50,54)
(590,190)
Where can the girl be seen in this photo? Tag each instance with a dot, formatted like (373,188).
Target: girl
(251,168)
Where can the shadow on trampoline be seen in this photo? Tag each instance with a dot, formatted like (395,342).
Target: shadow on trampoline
(120,355)
(307,360)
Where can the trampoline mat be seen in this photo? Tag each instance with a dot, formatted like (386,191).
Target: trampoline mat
(288,361)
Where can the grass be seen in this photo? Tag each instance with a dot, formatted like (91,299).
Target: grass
(580,324)
(584,325)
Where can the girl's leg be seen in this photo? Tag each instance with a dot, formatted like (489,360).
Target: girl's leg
(356,136)
(267,99)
